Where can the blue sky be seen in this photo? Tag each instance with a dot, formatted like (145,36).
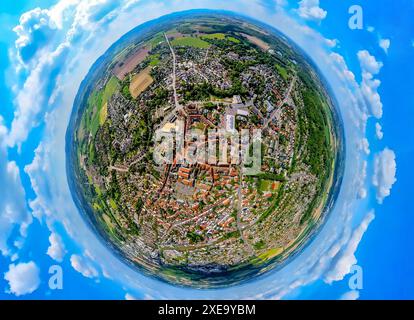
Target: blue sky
(369,70)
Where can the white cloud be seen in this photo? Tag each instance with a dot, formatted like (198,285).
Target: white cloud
(368,62)
(281,3)
(350,295)
(23,278)
(385,170)
(345,258)
(369,85)
(378,131)
(32,98)
(310,10)
(83,266)
(385,44)
(13,211)
(129,296)
(41,165)
(369,88)
(44,54)
(56,249)
(362,193)
(33,32)
(332,43)
(363,145)
(345,73)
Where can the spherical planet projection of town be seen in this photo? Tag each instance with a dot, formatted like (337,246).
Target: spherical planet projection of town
(205,149)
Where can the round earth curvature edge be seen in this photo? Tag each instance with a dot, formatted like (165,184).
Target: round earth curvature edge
(205,80)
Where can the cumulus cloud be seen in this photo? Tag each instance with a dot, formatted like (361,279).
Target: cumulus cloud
(363,145)
(385,170)
(44,54)
(13,211)
(345,73)
(129,296)
(385,44)
(378,131)
(23,278)
(350,295)
(83,266)
(345,258)
(34,31)
(350,90)
(32,99)
(310,10)
(40,166)
(368,62)
(281,3)
(362,193)
(332,43)
(369,86)
(56,249)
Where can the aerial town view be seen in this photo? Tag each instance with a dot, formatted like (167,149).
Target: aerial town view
(194,210)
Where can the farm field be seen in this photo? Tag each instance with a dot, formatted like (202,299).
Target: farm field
(219,36)
(140,82)
(190,42)
(130,63)
(258,42)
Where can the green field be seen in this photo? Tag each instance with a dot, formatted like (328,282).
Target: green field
(282,71)
(110,88)
(154,60)
(190,42)
(94,108)
(218,36)
(233,39)
(271,253)
(265,185)
(157,39)
(96,114)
